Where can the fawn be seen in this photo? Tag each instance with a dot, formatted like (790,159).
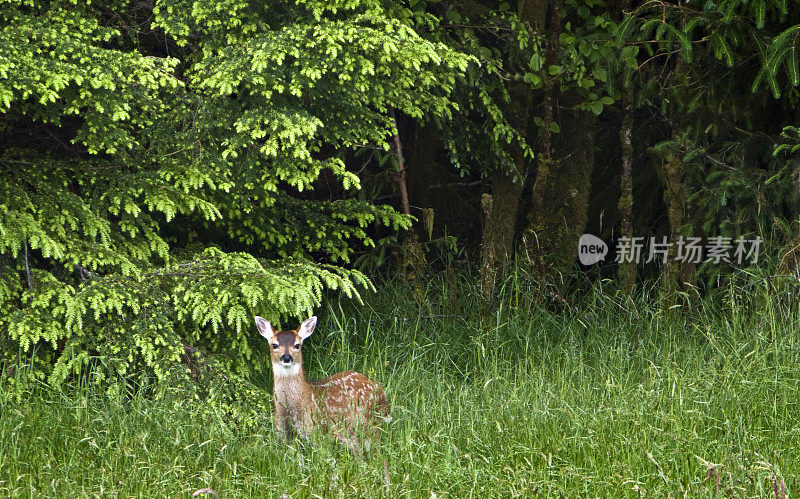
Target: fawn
(342,403)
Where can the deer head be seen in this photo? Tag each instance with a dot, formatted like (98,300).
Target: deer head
(286,346)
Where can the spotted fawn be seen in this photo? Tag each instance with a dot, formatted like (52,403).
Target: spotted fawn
(347,405)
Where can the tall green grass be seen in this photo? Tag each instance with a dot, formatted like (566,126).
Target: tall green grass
(598,396)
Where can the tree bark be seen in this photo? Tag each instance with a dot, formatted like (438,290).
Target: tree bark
(545,143)
(400,177)
(627,269)
(561,195)
(500,220)
(411,257)
(501,209)
(675,199)
(676,275)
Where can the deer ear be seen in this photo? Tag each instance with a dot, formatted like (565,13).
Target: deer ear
(265,328)
(307,327)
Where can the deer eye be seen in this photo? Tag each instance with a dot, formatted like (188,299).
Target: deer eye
(297,346)
(274,346)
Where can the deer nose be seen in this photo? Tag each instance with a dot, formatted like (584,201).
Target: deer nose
(286,358)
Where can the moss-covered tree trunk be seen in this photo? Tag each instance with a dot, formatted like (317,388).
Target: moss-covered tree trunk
(561,194)
(677,275)
(500,219)
(411,257)
(675,199)
(627,269)
(500,209)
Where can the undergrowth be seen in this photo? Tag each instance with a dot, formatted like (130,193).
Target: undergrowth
(594,395)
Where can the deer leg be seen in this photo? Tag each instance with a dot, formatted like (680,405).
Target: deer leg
(304,425)
(354,445)
(349,439)
(282,423)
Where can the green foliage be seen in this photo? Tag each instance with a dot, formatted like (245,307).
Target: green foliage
(712,72)
(56,63)
(479,131)
(782,51)
(144,324)
(157,171)
(733,30)
(508,51)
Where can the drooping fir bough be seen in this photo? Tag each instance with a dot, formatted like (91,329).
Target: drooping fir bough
(155,163)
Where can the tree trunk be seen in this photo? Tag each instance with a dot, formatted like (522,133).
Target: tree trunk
(500,219)
(411,257)
(677,275)
(561,195)
(500,209)
(675,199)
(400,177)
(627,269)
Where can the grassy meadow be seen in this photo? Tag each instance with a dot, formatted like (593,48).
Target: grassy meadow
(599,397)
